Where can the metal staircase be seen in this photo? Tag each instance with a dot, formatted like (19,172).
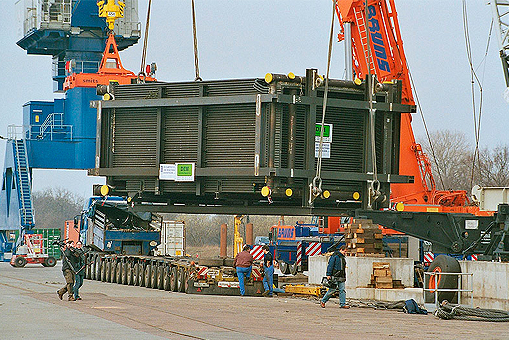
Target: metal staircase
(24,188)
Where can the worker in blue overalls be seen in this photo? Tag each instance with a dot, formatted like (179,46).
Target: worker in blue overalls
(268,271)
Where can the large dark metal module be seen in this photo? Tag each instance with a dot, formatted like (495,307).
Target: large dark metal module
(248,145)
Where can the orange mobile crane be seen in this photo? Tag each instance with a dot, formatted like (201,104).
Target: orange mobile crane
(371,31)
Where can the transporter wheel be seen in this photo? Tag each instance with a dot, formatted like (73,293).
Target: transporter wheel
(292,268)
(20,261)
(443,264)
(283,266)
(166,278)
(148,275)
(180,279)
(103,270)
(186,281)
(129,273)
(141,275)
(50,261)
(107,271)
(113,271)
(124,273)
(136,274)
(173,279)
(118,272)
(93,258)
(88,266)
(160,277)
(154,282)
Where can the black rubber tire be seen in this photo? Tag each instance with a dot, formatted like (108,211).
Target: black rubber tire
(141,277)
(160,277)
(124,273)
(113,272)
(186,281)
(166,278)
(154,282)
(108,271)
(104,271)
(92,266)
(50,261)
(130,272)
(136,274)
(293,268)
(283,266)
(173,279)
(443,264)
(148,276)
(20,261)
(98,265)
(118,272)
(180,279)
(88,268)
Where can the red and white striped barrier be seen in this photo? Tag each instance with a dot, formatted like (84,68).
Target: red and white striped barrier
(257,252)
(202,272)
(299,254)
(429,257)
(473,257)
(256,274)
(314,248)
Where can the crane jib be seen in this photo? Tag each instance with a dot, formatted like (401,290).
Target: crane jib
(377,40)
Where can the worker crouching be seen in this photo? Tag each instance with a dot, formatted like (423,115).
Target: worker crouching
(243,262)
(336,276)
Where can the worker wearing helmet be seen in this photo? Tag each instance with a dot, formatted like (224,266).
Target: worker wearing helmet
(243,263)
(336,275)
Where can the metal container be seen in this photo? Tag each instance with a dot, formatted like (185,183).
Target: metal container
(173,239)
(248,145)
(48,237)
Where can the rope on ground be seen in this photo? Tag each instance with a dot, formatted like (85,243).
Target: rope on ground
(398,305)
(450,311)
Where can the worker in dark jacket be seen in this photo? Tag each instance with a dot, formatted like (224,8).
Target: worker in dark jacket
(268,271)
(80,270)
(243,263)
(336,274)
(69,263)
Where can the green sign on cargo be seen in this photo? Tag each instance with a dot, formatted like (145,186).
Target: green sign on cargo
(327,132)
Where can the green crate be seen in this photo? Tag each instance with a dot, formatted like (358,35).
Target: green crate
(50,235)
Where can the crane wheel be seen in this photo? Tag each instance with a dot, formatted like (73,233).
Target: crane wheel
(443,264)
(50,262)
(20,261)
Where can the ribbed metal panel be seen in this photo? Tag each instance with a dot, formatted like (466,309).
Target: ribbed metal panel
(180,134)
(134,137)
(140,184)
(347,148)
(171,186)
(138,91)
(229,136)
(180,90)
(230,87)
(232,185)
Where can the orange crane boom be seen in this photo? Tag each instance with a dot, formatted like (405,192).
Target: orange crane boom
(377,49)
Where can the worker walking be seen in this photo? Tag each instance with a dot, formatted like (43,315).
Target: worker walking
(243,263)
(268,271)
(336,274)
(80,270)
(69,260)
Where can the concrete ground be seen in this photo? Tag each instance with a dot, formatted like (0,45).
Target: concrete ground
(30,309)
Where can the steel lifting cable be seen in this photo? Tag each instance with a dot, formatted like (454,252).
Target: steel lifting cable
(449,311)
(426,129)
(195,40)
(473,76)
(375,184)
(316,185)
(145,43)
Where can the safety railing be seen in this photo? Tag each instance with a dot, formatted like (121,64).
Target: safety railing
(435,278)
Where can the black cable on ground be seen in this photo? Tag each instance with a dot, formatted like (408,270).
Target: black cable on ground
(450,311)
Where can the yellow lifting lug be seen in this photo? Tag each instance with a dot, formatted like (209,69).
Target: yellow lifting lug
(111,11)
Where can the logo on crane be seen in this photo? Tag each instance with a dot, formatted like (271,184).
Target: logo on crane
(377,40)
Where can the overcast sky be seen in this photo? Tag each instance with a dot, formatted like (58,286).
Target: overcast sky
(242,39)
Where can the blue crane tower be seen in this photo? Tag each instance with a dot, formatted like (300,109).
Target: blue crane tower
(58,134)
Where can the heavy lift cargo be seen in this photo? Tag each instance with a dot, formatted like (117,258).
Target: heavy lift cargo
(247,146)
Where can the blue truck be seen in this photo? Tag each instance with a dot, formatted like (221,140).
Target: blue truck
(108,225)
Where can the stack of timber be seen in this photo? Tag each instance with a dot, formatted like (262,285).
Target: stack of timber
(382,277)
(364,238)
